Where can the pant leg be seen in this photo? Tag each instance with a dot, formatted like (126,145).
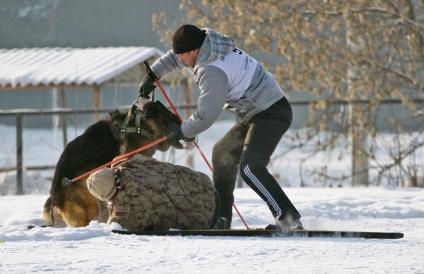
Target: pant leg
(217,209)
(265,131)
(225,159)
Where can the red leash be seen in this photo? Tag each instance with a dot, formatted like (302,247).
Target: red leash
(181,120)
(120,158)
(195,143)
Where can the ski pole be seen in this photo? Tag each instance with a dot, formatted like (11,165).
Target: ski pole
(157,82)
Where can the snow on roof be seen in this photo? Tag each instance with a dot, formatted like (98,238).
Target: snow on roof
(68,66)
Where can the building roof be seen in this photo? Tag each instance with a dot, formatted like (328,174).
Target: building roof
(30,67)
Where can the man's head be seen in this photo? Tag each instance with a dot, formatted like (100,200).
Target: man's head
(186,42)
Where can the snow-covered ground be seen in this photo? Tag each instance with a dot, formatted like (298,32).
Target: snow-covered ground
(94,249)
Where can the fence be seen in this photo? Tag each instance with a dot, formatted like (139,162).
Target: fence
(21,114)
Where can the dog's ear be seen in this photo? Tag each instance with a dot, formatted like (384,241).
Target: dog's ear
(166,114)
(160,110)
(160,107)
(118,115)
(113,115)
(155,110)
(149,109)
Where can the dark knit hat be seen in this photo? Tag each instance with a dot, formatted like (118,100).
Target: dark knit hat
(187,38)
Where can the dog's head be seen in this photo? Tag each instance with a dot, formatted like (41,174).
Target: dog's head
(139,127)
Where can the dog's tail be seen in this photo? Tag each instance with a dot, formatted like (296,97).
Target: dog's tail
(54,202)
(51,216)
(57,197)
(48,213)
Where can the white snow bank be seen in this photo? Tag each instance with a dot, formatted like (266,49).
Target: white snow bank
(94,249)
(93,230)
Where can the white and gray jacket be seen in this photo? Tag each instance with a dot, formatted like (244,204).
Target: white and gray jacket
(227,78)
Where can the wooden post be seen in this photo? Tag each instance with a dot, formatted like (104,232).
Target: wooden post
(358,137)
(63,116)
(97,101)
(357,112)
(19,161)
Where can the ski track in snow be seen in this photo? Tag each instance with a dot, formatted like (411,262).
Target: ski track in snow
(95,249)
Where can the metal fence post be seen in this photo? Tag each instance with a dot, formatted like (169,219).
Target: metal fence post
(19,168)
(63,117)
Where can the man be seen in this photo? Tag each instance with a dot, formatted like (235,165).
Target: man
(146,194)
(229,77)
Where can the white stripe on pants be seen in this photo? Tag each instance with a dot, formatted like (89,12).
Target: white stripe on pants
(263,190)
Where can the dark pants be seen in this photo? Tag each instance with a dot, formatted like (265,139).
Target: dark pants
(249,147)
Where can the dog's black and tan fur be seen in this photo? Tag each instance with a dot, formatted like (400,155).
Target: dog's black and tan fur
(99,144)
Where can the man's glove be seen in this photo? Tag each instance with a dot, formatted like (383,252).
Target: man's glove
(174,129)
(147,86)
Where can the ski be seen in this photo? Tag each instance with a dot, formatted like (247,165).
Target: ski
(268,233)
(259,232)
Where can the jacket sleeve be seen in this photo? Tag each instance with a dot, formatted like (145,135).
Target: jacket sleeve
(166,63)
(213,85)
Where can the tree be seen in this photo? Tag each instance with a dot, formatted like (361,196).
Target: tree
(353,53)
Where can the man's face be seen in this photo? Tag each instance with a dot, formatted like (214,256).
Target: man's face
(189,58)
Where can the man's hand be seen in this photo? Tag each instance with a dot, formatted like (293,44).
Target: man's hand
(174,129)
(147,86)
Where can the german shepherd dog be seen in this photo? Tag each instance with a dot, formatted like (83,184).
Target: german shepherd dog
(72,204)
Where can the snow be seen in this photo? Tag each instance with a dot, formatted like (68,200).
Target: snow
(92,66)
(95,249)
